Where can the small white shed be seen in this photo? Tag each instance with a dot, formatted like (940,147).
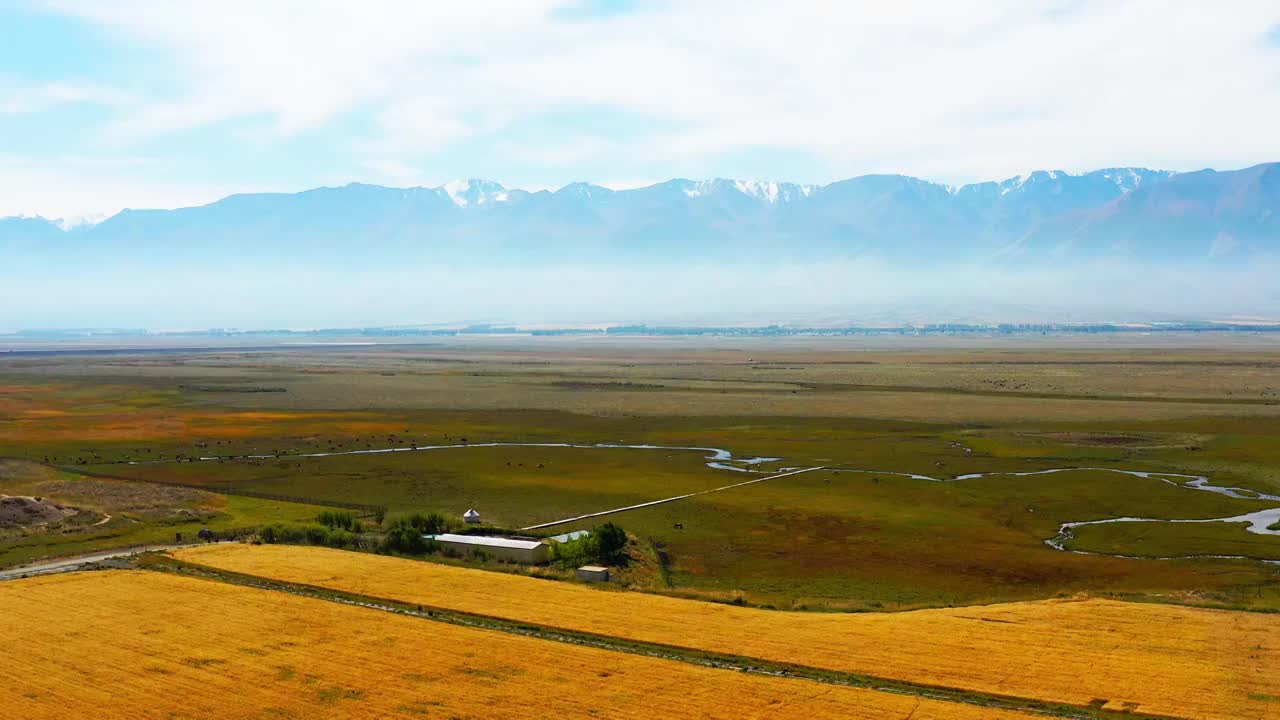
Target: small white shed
(471,516)
(593,573)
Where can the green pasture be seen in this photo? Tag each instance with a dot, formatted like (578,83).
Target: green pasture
(827,539)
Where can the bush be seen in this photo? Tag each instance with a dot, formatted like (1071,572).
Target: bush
(340,520)
(611,540)
(574,553)
(280,533)
(342,539)
(604,546)
(267,534)
(432,523)
(317,535)
(403,537)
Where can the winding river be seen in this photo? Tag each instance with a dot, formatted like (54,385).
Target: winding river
(1261,522)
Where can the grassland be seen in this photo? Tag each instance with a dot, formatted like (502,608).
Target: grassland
(1181,662)
(119,513)
(831,539)
(149,645)
(817,540)
(1146,539)
(516,486)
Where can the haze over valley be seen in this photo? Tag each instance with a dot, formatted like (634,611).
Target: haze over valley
(1113,245)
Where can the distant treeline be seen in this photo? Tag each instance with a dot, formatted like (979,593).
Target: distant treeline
(664,330)
(939,328)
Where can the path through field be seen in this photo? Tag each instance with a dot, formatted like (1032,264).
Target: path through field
(666,500)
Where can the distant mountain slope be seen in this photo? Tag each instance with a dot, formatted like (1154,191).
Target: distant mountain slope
(20,232)
(1205,214)
(1044,216)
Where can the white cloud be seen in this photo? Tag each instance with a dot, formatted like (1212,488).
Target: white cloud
(76,189)
(956,90)
(19,99)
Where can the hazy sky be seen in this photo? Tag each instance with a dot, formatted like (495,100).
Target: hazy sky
(839,292)
(128,103)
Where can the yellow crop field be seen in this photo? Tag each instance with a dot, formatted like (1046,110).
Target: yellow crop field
(136,644)
(1158,659)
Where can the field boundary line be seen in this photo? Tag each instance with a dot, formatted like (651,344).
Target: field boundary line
(675,653)
(651,503)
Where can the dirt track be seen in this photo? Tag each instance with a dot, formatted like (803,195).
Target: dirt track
(76,562)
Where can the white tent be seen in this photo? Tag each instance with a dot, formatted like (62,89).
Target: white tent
(471,516)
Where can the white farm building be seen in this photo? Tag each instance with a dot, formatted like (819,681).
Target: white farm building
(531,551)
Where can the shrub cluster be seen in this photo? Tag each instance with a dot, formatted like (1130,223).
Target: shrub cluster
(404,533)
(604,546)
(282,533)
(432,523)
(340,520)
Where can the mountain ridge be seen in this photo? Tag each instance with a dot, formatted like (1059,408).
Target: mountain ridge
(1041,216)
(460,188)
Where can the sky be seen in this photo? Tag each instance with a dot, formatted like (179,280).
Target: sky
(128,103)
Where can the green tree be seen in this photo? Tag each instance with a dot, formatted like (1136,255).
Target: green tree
(403,537)
(605,545)
(432,523)
(611,540)
(336,519)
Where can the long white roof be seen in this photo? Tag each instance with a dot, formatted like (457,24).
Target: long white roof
(485,540)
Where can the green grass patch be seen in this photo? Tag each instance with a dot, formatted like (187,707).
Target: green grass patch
(1149,539)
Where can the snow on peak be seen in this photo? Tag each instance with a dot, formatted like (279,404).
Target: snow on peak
(763,190)
(584,190)
(1035,176)
(1128,179)
(75,221)
(759,189)
(469,193)
(66,222)
(773,192)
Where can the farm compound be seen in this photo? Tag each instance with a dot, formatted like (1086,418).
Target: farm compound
(532,551)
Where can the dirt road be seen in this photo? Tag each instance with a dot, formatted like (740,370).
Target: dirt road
(75,562)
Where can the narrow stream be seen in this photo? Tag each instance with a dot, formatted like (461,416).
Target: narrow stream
(1259,522)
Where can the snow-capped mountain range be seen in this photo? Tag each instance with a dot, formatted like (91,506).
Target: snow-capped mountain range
(1043,216)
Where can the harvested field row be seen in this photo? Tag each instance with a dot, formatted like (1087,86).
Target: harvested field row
(149,645)
(1176,661)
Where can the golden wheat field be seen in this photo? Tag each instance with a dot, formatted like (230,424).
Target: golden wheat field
(1158,659)
(137,644)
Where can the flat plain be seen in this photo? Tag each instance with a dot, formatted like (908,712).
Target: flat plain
(833,539)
